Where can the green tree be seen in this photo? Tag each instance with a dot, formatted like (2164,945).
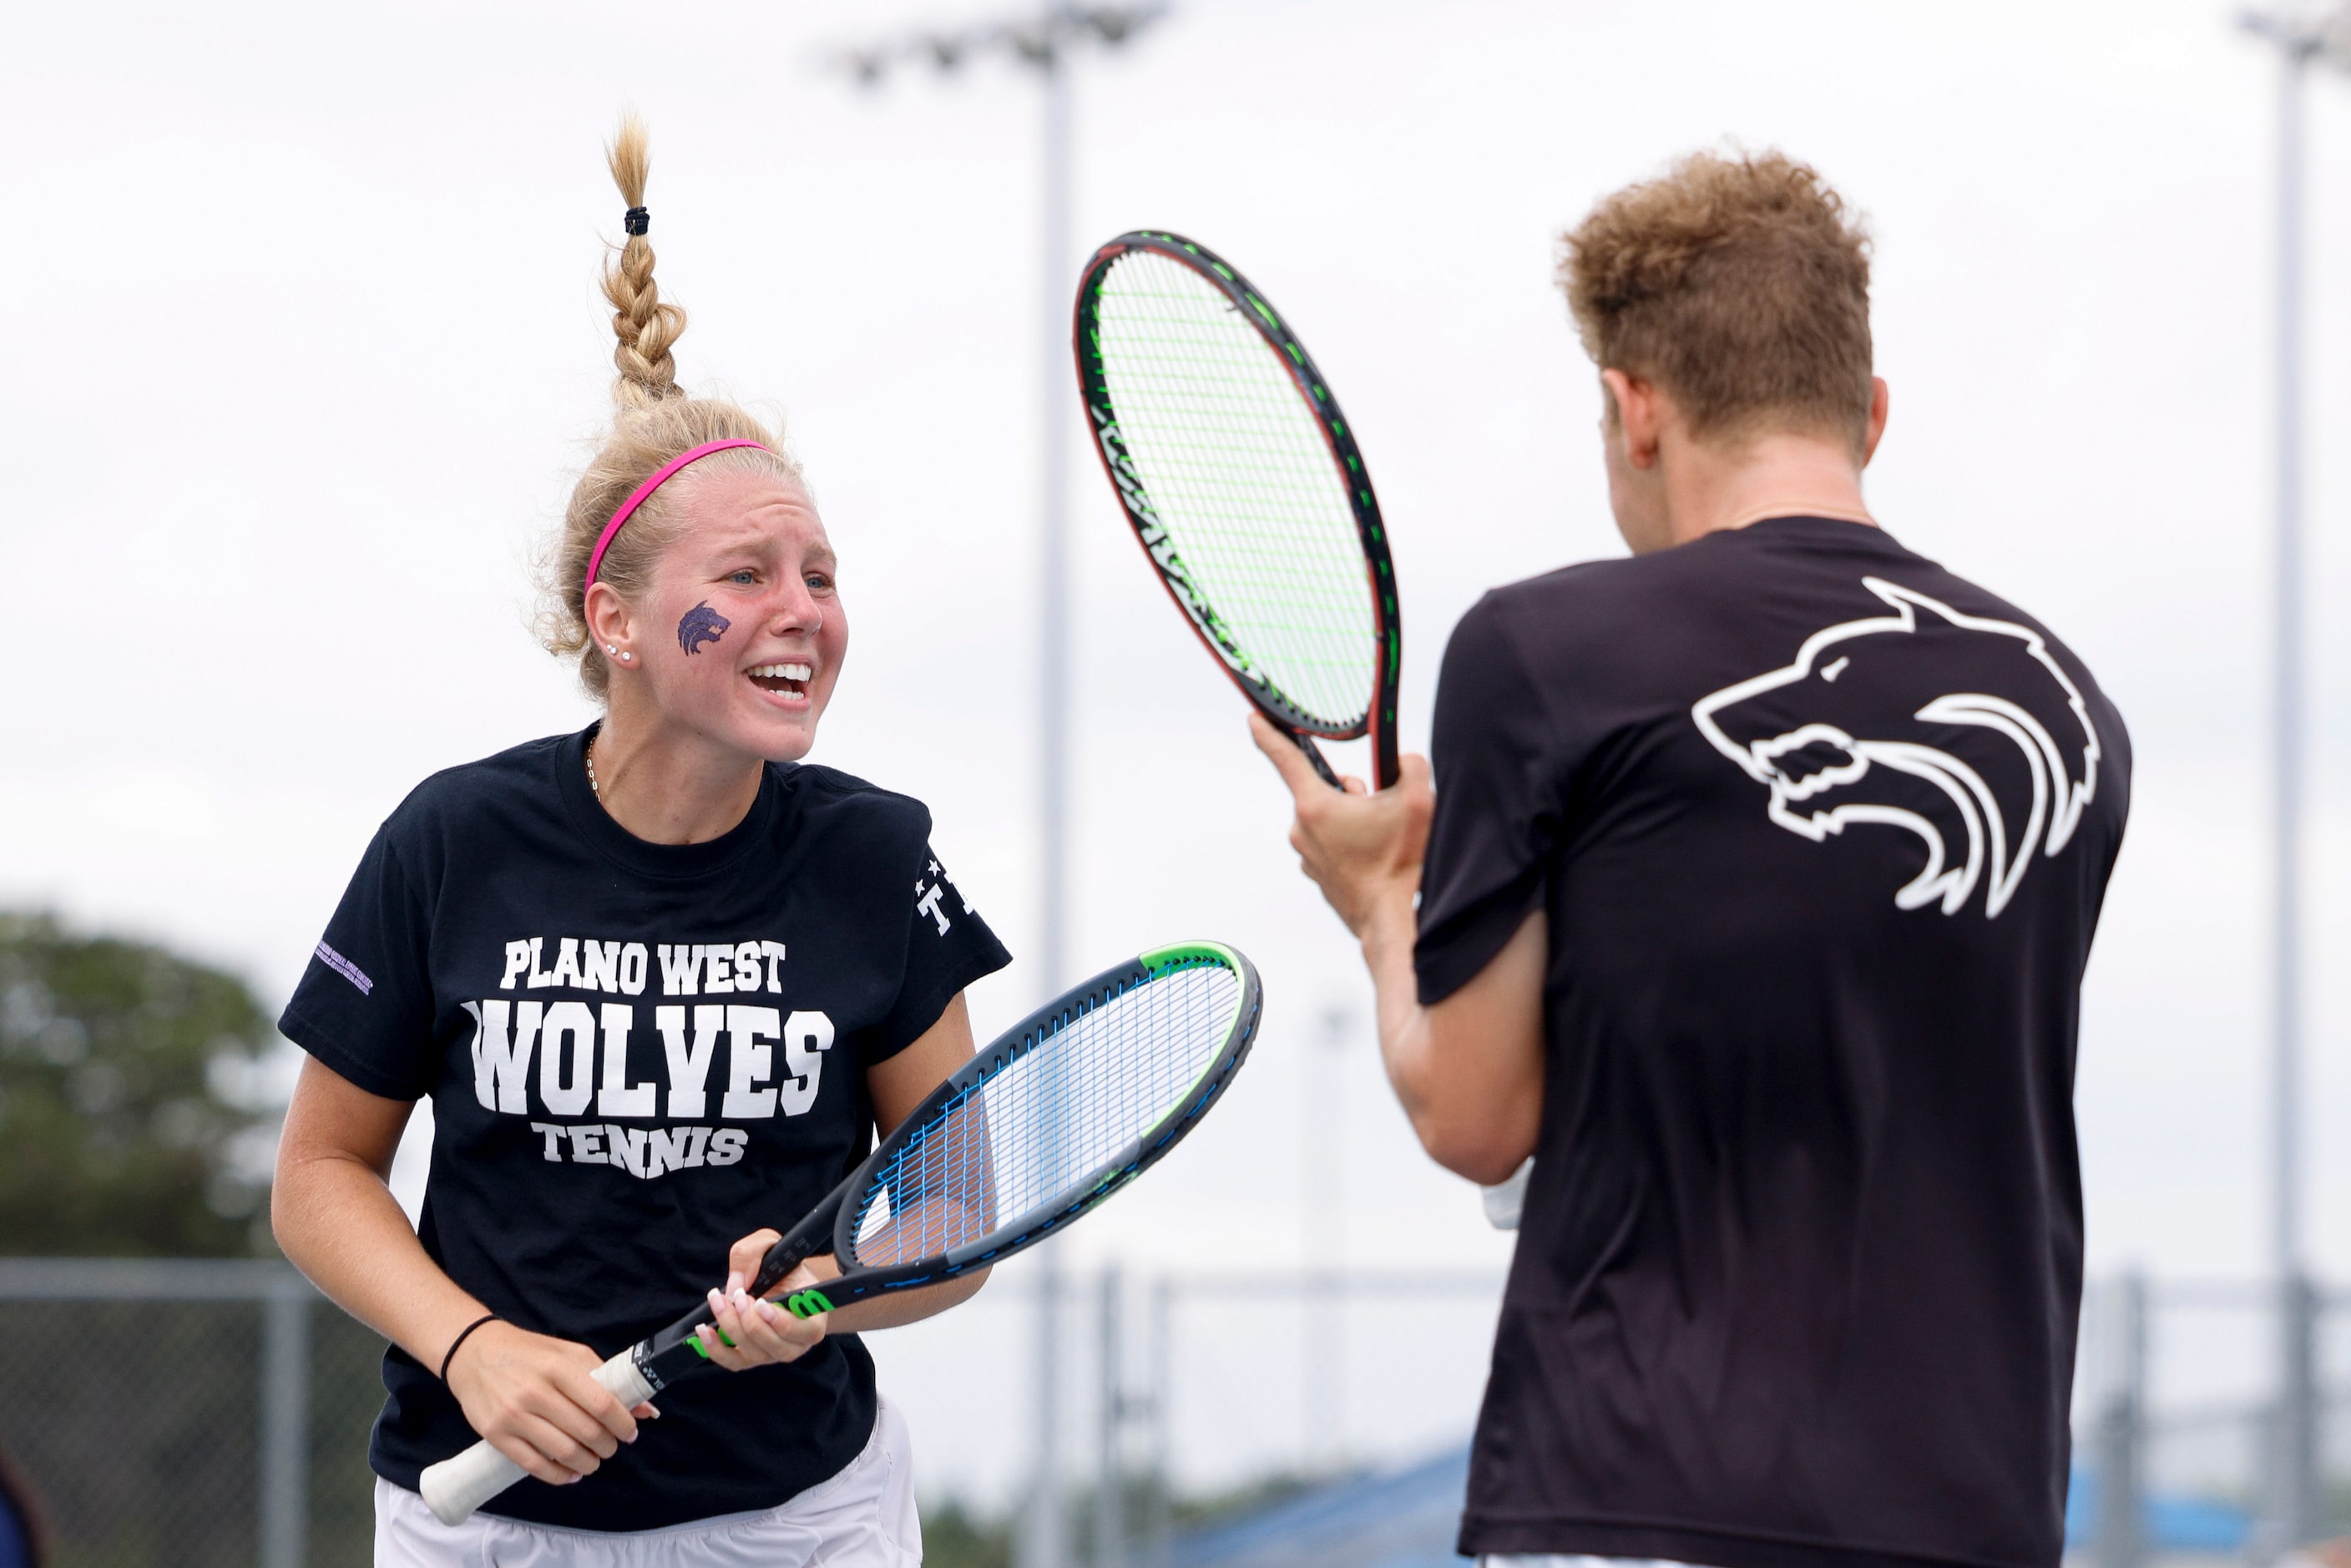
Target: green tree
(955,1536)
(131,1121)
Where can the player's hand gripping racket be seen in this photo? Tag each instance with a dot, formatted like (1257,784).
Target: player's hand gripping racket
(1066,1107)
(1242,481)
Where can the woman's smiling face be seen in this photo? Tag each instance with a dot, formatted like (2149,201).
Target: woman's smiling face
(742,634)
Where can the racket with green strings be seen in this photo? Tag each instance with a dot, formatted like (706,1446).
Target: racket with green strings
(1241,480)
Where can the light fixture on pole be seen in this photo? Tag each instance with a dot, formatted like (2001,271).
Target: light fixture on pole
(1041,41)
(2302,36)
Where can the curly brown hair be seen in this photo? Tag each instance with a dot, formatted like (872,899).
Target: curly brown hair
(1740,286)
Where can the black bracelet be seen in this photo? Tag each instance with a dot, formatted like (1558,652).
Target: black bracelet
(469,1328)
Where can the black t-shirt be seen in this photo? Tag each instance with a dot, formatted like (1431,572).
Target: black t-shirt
(1822,834)
(636,1054)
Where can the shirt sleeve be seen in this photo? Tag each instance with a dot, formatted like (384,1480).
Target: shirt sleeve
(1497,805)
(364,1006)
(948,947)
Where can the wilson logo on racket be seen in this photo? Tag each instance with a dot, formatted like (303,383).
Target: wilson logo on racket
(806,1304)
(1963,731)
(1121,469)
(1153,535)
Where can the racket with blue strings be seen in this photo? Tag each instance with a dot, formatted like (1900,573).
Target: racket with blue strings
(1241,479)
(1063,1110)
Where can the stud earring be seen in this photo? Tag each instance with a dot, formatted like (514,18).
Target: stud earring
(627,656)
(610,649)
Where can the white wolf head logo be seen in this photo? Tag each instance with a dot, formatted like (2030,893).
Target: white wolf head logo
(1800,743)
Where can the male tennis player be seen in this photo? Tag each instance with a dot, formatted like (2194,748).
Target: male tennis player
(1754,906)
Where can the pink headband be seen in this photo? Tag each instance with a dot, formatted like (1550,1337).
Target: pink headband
(637,497)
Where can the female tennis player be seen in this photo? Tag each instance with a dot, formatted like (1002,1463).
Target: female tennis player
(662,982)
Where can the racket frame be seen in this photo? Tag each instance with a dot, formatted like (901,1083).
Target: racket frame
(458,1484)
(1153,535)
(1097,1185)
(831,1228)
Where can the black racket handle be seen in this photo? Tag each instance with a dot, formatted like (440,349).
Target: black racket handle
(810,1236)
(1314,755)
(661,1355)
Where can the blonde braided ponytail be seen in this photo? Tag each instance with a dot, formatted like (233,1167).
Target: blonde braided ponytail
(655,421)
(644,325)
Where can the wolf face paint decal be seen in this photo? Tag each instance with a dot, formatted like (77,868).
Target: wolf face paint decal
(1863,728)
(701,625)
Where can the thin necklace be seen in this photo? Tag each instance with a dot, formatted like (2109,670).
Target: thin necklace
(590,755)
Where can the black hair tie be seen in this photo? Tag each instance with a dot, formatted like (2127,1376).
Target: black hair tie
(451,1354)
(637,220)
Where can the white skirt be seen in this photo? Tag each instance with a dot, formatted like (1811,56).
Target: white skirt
(862,1518)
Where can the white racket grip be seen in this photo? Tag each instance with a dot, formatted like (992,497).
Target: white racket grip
(1505,1199)
(455,1487)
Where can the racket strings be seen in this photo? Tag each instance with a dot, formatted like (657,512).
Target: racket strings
(1055,1117)
(1258,508)
(1238,469)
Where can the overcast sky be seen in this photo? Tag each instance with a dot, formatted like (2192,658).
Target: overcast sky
(306,347)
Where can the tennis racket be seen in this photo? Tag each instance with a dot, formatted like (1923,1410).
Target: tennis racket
(1243,485)
(1066,1107)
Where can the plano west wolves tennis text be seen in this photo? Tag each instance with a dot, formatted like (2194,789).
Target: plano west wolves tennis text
(557,1060)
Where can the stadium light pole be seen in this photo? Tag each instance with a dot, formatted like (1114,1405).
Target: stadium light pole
(1041,41)
(1322,1212)
(2302,37)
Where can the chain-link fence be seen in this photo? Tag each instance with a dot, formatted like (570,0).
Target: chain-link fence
(187,1413)
(2211,1416)
(201,1413)
(1183,1397)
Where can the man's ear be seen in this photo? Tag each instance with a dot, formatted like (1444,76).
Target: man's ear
(1880,400)
(1637,417)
